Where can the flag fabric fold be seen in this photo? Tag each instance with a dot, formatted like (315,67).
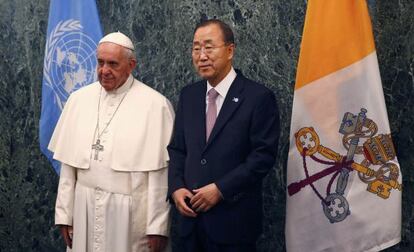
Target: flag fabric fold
(344,182)
(69,63)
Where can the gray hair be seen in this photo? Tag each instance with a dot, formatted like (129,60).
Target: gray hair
(129,54)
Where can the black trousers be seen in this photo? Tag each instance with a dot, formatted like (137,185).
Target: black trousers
(199,241)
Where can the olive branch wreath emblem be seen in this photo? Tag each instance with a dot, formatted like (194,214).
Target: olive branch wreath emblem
(61,28)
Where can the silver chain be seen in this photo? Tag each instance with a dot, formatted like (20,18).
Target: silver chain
(110,120)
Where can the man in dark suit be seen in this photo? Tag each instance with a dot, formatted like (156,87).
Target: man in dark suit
(224,143)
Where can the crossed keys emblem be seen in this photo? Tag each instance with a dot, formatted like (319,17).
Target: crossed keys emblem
(378,152)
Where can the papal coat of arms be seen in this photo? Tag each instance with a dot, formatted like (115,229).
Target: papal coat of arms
(378,169)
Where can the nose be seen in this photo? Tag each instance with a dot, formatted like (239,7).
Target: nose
(104,69)
(203,54)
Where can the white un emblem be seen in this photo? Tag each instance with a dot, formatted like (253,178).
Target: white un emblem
(70,60)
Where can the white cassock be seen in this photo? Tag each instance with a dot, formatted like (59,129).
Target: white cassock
(117,199)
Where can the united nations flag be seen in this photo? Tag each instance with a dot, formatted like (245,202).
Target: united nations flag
(73,33)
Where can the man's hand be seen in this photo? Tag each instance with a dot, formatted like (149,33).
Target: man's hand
(179,196)
(157,243)
(205,197)
(67,234)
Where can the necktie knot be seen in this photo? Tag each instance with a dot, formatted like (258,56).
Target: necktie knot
(212,95)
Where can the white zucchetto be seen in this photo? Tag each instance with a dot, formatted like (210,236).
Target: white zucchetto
(119,39)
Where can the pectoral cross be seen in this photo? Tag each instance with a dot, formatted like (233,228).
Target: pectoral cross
(97,147)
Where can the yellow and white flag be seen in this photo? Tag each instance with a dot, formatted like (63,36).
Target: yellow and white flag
(344,181)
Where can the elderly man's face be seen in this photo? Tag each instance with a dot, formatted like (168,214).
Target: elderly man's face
(212,58)
(113,67)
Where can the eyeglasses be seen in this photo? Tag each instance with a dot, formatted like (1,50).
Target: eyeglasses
(207,49)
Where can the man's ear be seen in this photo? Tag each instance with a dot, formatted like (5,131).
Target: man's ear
(230,50)
(132,64)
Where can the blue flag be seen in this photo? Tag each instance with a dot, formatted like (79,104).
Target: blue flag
(73,33)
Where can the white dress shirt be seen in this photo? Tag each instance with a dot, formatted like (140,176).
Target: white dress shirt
(222,88)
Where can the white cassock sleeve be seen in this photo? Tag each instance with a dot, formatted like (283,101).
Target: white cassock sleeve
(158,212)
(66,195)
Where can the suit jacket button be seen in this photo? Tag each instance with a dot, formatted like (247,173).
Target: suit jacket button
(203,161)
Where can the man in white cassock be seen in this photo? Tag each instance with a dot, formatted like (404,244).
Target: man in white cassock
(111,140)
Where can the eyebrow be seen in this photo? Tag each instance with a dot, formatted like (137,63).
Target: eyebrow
(204,41)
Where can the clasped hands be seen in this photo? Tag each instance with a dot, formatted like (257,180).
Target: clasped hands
(200,200)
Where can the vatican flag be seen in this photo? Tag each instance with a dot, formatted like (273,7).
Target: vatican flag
(343,177)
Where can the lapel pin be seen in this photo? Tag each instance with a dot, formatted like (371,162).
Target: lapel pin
(235,99)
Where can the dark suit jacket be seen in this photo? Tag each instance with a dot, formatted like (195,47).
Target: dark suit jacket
(239,153)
